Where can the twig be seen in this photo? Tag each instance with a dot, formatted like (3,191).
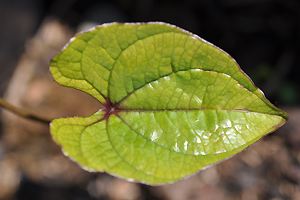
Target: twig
(22,112)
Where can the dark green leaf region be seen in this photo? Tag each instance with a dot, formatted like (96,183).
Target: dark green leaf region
(172,103)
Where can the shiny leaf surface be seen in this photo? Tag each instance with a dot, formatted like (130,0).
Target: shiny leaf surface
(172,103)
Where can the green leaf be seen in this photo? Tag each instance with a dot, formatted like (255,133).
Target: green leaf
(172,103)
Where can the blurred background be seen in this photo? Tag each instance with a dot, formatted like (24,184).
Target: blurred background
(262,35)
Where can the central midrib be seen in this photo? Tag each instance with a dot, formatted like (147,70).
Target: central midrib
(118,110)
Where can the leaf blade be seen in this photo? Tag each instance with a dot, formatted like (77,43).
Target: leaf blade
(172,102)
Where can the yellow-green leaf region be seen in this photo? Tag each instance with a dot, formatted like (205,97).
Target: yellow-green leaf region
(172,103)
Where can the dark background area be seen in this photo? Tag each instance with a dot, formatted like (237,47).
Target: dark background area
(262,35)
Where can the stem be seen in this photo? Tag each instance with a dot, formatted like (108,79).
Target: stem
(22,112)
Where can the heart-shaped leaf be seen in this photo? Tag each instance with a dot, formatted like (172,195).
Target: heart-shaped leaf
(172,103)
